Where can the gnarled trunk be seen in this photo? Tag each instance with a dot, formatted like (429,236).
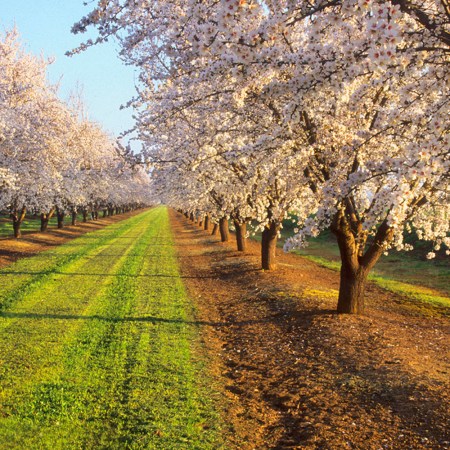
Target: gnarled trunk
(357,261)
(17,219)
(223,228)
(269,245)
(191,216)
(45,217)
(85,215)
(206,223)
(215,230)
(241,232)
(74,217)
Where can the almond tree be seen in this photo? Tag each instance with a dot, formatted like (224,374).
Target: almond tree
(28,110)
(51,158)
(361,87)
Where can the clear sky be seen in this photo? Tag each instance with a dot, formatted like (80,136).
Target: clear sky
(44,26)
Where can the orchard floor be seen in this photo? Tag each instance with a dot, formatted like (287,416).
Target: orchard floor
(292,373)
(298,376)
(31,243)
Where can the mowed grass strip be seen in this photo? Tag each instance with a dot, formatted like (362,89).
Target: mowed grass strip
(104,359)
(27,274)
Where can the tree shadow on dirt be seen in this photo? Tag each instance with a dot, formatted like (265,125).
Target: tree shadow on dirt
(144,319)
(309,378)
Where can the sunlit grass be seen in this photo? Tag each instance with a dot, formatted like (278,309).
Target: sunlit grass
(98,352)
(414,292)
(403,273)
(331,294)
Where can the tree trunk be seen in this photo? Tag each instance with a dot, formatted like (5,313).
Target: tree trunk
(223,228)
(357,257)
(215,230)
(85,215)
(44,222)
(17,219)
(206,227)
(105,213)
(200,223)
(269,245)
(45,217)
(351,289)
(60,217)
(191,216)
(241,239)
(16,228)
(74,218)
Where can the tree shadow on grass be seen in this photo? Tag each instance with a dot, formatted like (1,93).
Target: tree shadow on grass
(113,275)
(144,319)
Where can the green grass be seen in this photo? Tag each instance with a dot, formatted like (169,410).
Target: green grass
(96,346)
(404,273)
(412,291)
(30,224)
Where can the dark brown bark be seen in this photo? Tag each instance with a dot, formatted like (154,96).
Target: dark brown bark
(60,217)
(85,215)
(356,260)
(191,216)
(215,230)
(206,223)
(17,218)
(269,245)
(200,223)
(223,228)
(241,232)
(74,217)
(44,222)
(351,290)
(45,217)
(105,212)
(16,228)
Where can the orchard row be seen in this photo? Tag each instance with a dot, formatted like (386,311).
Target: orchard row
(333,111)
(52,158)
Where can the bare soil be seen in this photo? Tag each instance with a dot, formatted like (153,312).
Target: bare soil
(296,375)
(12,249)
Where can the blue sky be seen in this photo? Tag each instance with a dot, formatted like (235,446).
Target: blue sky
(44,26)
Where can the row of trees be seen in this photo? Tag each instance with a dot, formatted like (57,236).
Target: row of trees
(52,158)
(335,111)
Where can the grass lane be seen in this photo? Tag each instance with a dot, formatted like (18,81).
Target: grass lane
(98,353)
(26,275)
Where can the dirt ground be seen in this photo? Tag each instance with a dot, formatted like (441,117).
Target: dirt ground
(29,244)
(299,376)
